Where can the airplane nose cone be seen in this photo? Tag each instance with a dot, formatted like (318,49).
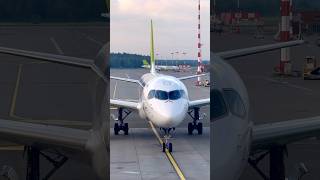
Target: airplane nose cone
(170,114)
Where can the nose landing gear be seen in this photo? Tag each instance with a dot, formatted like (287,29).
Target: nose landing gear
(195,124)
(167,135)
(121,125)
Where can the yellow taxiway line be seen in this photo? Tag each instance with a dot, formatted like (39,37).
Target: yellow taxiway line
(168,154)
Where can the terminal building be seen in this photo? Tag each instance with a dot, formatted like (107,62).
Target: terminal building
(310,21)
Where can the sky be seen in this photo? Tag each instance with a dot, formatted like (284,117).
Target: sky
(175,27)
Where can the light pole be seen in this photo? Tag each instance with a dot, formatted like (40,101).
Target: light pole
(171,57)
(177,57)
(184,56)
(157,54)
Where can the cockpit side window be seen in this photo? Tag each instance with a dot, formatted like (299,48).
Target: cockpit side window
(218,106)
(161,95)
(235,102)
(182,93)
(151,94)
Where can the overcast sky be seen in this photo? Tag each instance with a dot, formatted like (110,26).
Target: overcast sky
(175,27)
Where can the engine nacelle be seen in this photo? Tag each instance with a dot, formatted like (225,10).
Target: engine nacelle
(142,114)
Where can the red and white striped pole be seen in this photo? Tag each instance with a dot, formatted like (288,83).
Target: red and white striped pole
(291,19)
(285,34)
(200,68)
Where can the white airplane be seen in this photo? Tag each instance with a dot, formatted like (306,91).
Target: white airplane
(235,140)
(146,65)
(164,102)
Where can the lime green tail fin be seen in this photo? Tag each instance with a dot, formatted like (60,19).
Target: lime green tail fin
(152,60)
(145,62)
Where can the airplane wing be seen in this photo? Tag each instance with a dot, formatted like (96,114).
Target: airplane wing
(199,103)
(47,57)
(257,49)
(126,80)
(126,104)
(82,62)
(190,77)
(43,135)
(285,132)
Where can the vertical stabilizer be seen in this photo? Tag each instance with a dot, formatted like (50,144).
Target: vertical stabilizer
(152,60)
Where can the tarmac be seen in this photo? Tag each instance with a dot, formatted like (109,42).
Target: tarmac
(276,99)
(272,99)
(139,155)
(43,92)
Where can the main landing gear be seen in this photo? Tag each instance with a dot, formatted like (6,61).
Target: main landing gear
(33,162)
(121,126)
(195,124)
(276,160)
(167,135)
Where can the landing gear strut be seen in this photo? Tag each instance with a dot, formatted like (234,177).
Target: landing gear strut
(277,167)
(167,135)
(122,126)
(33,162)
(195,124)
(33,168)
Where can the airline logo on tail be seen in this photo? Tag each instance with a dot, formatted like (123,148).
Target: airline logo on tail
(145,64)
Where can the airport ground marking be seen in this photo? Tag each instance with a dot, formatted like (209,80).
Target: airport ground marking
(12,148)
(42,121)
(288,84)
(168,154)
(94,41)
(16,90)
(56,45)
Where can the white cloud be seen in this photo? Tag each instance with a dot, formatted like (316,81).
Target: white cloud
(175,26)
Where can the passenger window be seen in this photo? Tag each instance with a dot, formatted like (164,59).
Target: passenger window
(218,106)
(235,102)
(151,94)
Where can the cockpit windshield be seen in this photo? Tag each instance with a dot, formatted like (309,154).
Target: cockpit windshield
(174,95)
(219,107)
(236,104)
(164,95)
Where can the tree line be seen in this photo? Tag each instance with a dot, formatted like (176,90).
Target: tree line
(126,60)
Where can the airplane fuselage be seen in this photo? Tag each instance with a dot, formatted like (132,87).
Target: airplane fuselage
(164,100)
(231,125)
